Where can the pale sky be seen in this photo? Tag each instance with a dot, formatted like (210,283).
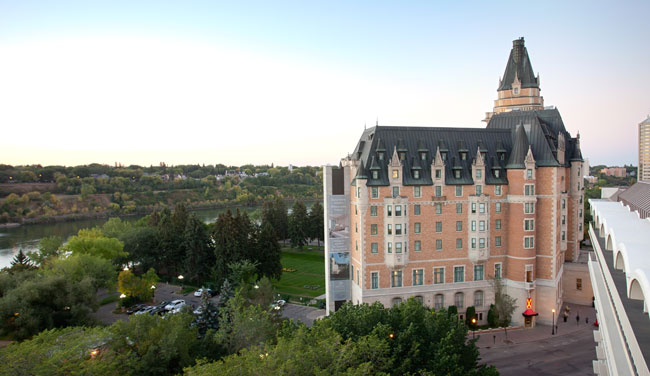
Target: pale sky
(235,82)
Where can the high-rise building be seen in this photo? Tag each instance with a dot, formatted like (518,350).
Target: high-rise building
(435,213)
(644,150)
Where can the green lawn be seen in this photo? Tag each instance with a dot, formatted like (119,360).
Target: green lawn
(310,271)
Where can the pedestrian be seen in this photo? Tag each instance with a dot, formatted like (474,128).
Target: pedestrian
(578,319)
(566,315)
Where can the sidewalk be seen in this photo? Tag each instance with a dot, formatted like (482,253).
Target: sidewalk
(501,339)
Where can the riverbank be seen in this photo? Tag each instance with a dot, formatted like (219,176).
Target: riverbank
(9,225)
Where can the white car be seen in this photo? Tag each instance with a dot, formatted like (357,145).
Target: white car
(278,304)
(144,310)
(175,304)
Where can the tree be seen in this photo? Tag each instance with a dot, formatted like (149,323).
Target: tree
(20,263)
(78,267)
(275,213)
(93,242)
(48,247)
(493,319)
(316,222)
(470,314)
(137,288)
(232,241)
(199,256)
(208,318)
(268,253)
(298,225)
(87,190)
(503,303)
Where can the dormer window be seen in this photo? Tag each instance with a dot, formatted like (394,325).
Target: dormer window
(444,156)
(380,155)
(479,174)
(416,174)
(502,156)
(457,174)
(516,91)
(497,173)
(483,154)
(463,155)
(402,156)
(438,173)
(395,174)
(423,155)
(375,175)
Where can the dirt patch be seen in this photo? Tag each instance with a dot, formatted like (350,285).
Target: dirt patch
(22,188)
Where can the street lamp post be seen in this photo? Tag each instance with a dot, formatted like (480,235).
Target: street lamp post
(553,327)
(122,296)
(153,293)
(473,327)
(180,278)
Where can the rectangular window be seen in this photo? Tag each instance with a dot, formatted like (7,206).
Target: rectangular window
(481,208)
(438,208)
(563,219)
(417,246)
(580,213)
(390,230)
(373,229)
(497,173)
(356,247)
(438,226)
(416,174)
(398,210)
(416,209)
(479,190)
(497,241)
(438,173)
(529,224)
(529,273)
(459,274)
(459,190)
(439,301)
(398,247)
(375,192)
(459,243)
(358,192)
(529,174)
(395,191)
(459,226)
(438,276)
(373,211)
(374,280)
(473,225)
(438,191)
(417,191)
(389,210)
(459,208)
(479,174)
(356,227)
(481,225)
(563,203)
(374,248)
(352,270)
(473,208)
(390,247)
(563,236)
(375,175)
(418,277)
(395,174)
(497,225)
(529,190)
(396,279)
(478,301)
(497,190)
(358,279)
(398,229)
(416,227)
(497,270)
(578,283)
(529,208)
(438,244)
(529,242)
(473,243)
(478,272)
(457,174)
(481,242)
(497,207)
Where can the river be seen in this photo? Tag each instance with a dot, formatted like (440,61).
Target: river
(27,237)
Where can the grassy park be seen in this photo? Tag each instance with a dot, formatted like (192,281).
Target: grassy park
(303,271)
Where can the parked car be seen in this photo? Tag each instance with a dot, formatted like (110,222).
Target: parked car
(158,310)
(144,310)
(175,304)
(278,304)
(135,308)
(200,291)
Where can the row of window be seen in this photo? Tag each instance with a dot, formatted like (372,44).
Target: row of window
(417,191)
(529,243)
(529,225)
(438,276)
(400,210)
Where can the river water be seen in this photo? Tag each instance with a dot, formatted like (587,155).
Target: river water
(27,237)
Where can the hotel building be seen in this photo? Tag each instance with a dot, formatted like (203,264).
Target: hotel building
(435,213)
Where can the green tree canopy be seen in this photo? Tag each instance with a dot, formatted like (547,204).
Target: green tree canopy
(93,242)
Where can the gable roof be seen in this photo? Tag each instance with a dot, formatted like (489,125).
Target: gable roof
(518,66)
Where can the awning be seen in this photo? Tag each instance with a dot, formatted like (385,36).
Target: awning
(529,312)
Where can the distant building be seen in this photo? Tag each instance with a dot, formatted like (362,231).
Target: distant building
(619,271)
(434,213)
(591,179)
(644,150)
(614,171)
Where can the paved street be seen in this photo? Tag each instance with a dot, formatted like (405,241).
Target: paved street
(537,352)
(302,313)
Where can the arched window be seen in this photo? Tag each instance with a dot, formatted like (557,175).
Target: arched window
(419,299)
(478,299)
(459,300)
(397,301)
